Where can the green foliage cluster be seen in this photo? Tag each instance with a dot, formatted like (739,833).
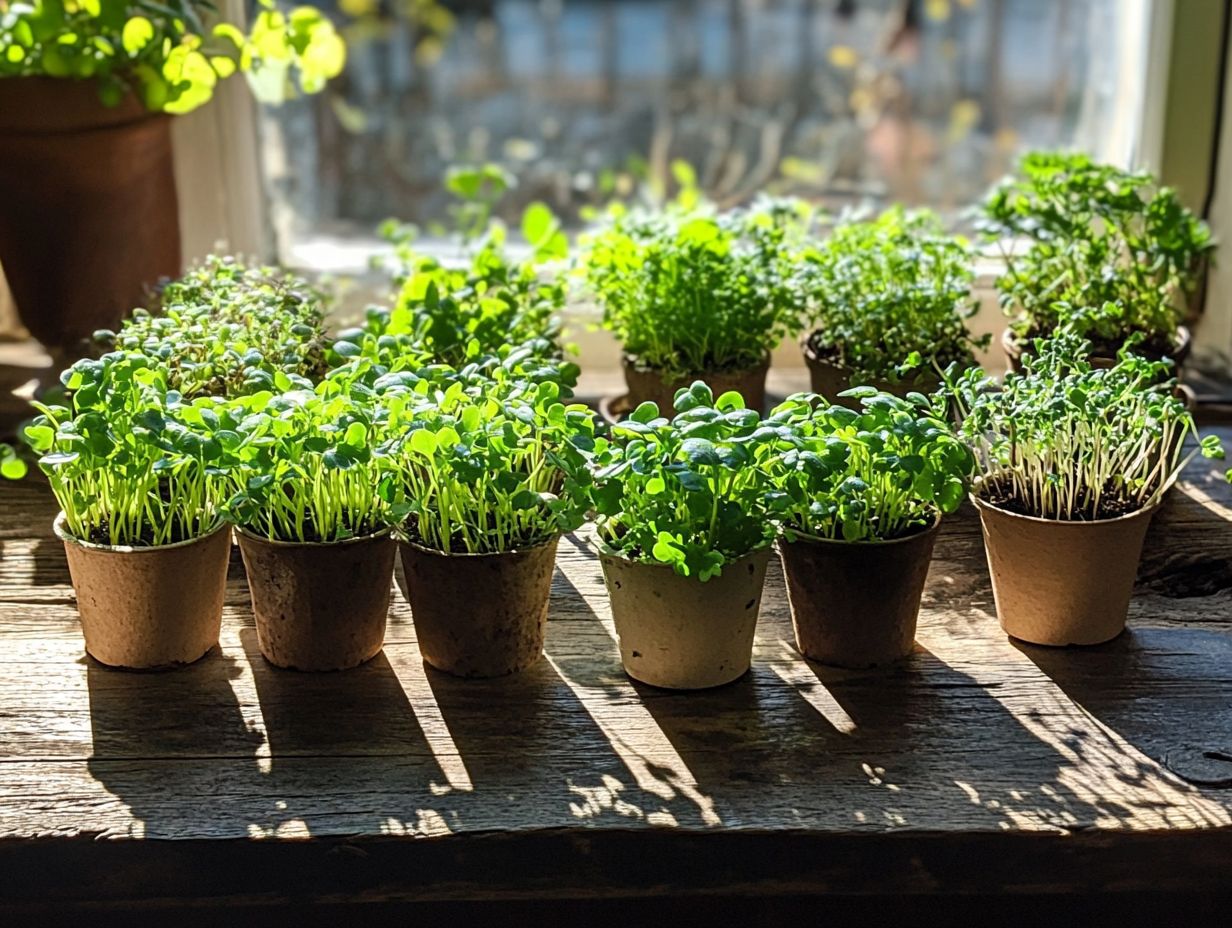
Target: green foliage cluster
(889,296)
(686,491)
(165,51)
(687,290)
(225,328)
(1108,252)
(1068,440)
(874,475)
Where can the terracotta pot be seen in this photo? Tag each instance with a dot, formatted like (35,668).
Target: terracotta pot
(1062,583)
(829,379)
(855,604)
(319,606)
(679,633)
(145,608)
(1015,350)
(479,615)
(90,218)
(649,384)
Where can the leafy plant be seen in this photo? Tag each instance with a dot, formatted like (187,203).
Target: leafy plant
(127,459)
(1097,236)
(1067,440)
(304,465)
(687,290)
(503,470)
(167,52)
(873,475)
(225,328)
(686,491)
(890,296)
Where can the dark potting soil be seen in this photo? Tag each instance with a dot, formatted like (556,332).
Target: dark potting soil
(1110,507)
(101,535)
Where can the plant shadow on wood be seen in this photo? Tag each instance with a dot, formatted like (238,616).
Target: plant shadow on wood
(174,747)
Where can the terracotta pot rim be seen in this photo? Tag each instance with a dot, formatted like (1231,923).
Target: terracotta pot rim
(467,555)
(932,528)
(605,551)
(1071,523)
(274,543)
(62,532)
(633,362)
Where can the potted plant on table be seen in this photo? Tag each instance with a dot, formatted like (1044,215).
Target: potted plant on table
(1073,461)
(888,302)
(310,514)
(684,532)
(692,294)
(1105,252)
(90,215)
(486,484)
(138,476)
(860,496)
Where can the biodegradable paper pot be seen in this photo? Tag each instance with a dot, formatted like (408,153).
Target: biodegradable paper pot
(90,219)
(145,608)
(1014,351)
(830,379)
(646,383)
(679,633)
(319,606)
(855,604)
(1062,583)
(479,615)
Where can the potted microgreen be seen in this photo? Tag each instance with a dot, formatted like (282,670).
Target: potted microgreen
(1105,252)
(1073,460)
(684,534)
(860,496)
(888,300)
(138,476)
(486,483)
(86,90)
(693,294)
(311,520)
(225,328)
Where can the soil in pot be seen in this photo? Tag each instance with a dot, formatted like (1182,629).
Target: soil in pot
(1062,583)
(147,608)
(319,606)
(828,378)
(855,604)
(1105,354)
(90,220)
(479,615)
(679,633)
(650,384)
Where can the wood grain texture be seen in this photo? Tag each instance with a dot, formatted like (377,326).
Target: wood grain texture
(234,782)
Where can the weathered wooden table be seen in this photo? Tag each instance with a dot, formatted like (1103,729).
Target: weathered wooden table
(979,766)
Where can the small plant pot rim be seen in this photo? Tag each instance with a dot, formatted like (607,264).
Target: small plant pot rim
(278,543)
(981,503)
(475,555)
(60,527)
(637,364)
(603,548)
(1014,347)
(924,381)
(932,525)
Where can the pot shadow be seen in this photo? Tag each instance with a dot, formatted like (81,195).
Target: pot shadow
(346,752)
(174,747)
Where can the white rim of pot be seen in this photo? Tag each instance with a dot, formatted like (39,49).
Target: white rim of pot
(931,527)
(1074,523)
(273,543)
(526,549)
(60,527)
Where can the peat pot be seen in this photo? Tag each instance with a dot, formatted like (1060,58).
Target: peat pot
(829,379)
(855,604)
(146,608)
(90,219)
(1014,351)
(479,615)
(647,383)
(319,606)
(679,633)
(1062,583)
